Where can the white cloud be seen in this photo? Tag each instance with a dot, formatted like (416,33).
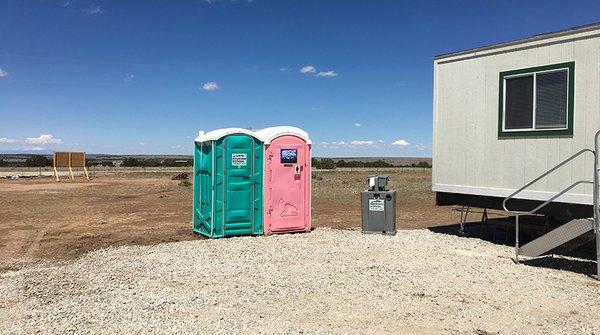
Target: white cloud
(329,73)
(422,147)
(142,143)
(401,143)
(358,124)
(308,69)
(94,10)
(284,69)
(129,78)
(3,73)
(35,149)
(44,139)
(333,145)
(210,86)
(361,143)
(8,140)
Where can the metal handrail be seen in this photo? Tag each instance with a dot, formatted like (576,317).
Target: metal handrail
(511,196)
(551,199)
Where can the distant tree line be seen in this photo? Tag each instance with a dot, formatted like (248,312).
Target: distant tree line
(33,161)
(156,162)
(329,164)
(43,161)
(317,163)
(93,162)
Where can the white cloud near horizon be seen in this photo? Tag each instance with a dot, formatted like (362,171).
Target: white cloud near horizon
(358,124)
(3,73)
(43,139)
(401,143)
(333,145)
(422,147)
(308,69)
(354,143)
(210,86)
(329,73)
(8,140)
(361,143)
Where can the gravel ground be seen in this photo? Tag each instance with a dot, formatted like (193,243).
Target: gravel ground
(326,281)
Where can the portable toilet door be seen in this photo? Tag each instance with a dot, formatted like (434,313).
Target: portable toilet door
(287,180)
(228,189)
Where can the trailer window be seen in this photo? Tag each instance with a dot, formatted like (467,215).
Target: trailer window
(537,101)
(519,103)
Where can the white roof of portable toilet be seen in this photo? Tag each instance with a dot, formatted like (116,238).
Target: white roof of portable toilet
(218,133)
(268,134)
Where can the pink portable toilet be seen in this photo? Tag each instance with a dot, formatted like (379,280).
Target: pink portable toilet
(287,178)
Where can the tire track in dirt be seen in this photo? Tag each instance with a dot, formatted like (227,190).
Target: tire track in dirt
(35,244)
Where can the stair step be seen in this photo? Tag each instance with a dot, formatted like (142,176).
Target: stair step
(557,237)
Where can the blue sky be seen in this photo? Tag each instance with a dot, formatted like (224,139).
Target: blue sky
(144,76)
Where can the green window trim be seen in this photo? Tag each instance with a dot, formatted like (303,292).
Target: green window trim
(570,66)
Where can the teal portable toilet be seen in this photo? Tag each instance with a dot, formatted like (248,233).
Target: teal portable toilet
(228,183)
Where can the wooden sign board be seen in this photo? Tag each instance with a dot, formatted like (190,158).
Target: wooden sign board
(77,159)
(61,159)
(69,160)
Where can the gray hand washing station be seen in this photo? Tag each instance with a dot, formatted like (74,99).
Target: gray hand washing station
(378,207)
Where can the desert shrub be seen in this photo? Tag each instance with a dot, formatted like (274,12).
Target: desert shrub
(38,161)
(131,162)
(171,162)
(327,164)
(323,163)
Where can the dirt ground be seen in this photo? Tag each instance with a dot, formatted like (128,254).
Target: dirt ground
(42,220)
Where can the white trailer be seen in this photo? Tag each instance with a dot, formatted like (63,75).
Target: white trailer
(515,126)
(506,113)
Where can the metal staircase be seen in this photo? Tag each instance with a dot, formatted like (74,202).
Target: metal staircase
(569,230)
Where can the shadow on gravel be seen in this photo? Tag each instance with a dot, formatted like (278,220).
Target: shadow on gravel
(501,231)
(581,266)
